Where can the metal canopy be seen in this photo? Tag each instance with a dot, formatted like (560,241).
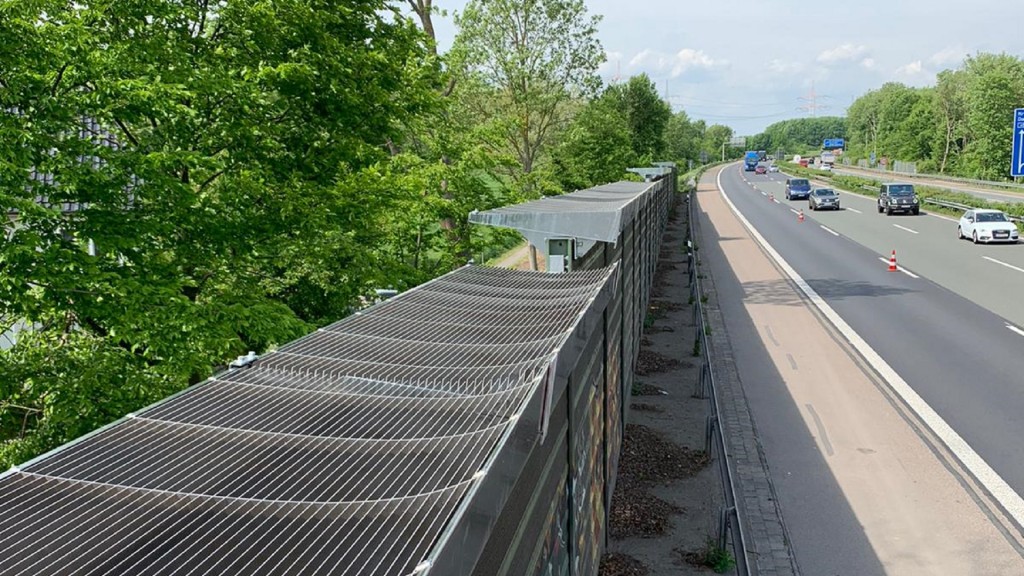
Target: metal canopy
(596,214)
(348,451)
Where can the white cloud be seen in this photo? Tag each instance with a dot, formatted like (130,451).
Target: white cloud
(868,63)
(948,57)
(611,65)
(688,59)
(914,68)
(676,65)
(842,53)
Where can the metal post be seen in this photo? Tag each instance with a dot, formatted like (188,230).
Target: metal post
(709,432)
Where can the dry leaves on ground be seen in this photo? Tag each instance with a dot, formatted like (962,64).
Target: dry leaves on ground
(622,565)
(648,362)
(649,457)
(637,513)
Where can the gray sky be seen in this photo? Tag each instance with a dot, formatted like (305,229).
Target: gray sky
(748,63)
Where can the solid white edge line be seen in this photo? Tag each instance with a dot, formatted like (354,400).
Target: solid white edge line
(829,230)
(1011,502)
(907,229)
(1015,329)
(1010,266)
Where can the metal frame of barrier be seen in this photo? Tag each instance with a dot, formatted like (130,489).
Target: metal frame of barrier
(730,514)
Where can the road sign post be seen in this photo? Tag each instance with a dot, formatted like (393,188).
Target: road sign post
(1017,149)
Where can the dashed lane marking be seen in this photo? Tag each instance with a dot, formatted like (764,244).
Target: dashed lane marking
(1001,263)
(900,268)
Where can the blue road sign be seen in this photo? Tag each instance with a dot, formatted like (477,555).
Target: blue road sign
(1017,154)
(833,143)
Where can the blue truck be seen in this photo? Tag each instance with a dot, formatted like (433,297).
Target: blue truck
(750,161)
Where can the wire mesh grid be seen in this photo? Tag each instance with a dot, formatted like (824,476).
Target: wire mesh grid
(345,452)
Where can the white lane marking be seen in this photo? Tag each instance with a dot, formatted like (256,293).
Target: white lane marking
(946,218)
(854,210)
(907,229)
(1015,329)
(989,478)
(794,211)
(1010,266)
(829,230)
(900,268)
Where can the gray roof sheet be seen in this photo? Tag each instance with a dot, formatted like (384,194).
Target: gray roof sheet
(593,214)
(347,451)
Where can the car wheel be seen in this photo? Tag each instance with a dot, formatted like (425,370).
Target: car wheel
(959,233)
(810,206)
(879,208)
(888,211)
(975,237)
(917,211)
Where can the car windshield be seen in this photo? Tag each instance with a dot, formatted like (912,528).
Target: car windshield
(901,190)
(824,192)
(799,182)
(991,217)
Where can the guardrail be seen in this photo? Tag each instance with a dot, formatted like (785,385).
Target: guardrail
(729,515)
(965,207)
(954,179)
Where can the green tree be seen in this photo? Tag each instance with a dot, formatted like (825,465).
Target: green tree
(683,137)
(646,114)
(596,148)
(994,87)
(222,157)
(527,60)
(712,143)
(951,115)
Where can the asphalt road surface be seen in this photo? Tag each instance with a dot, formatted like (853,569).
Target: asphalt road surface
(888,403)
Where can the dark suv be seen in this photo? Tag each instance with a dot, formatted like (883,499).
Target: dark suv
(797,188)
(898,198)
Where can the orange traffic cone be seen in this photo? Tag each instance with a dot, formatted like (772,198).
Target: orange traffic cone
(800,216)
(892,262)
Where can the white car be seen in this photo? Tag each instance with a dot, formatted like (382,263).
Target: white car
(773,168)
(982,225)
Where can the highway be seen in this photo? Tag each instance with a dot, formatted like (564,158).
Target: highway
(893,439)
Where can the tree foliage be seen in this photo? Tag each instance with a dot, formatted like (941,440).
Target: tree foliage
(224,161)
(527,59)
(961,126)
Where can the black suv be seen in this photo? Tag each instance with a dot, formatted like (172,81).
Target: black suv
(898,198)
